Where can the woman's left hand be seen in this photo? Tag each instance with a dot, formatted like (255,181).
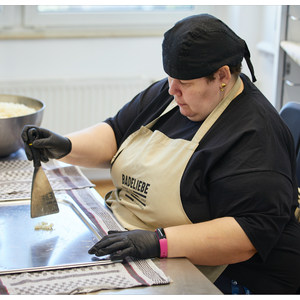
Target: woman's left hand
(136,243)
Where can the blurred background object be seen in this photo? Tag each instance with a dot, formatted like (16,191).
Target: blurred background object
(11,127)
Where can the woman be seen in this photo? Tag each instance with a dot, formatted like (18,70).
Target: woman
(203,165)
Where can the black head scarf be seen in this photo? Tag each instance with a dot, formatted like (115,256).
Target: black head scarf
(197,46)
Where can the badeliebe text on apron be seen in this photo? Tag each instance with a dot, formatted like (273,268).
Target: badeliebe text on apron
(139,189)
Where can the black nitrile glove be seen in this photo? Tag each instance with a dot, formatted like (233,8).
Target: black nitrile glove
(50,144)
(136,243)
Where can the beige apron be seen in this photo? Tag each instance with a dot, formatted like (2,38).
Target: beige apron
(147,171)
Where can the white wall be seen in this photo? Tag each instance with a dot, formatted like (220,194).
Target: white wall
(131,56)
(80,58)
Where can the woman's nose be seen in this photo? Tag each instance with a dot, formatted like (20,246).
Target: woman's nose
(174,87)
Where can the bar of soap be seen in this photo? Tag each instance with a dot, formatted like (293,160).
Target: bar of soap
(43,226)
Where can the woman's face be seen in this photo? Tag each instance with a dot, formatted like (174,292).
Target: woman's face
(196,98)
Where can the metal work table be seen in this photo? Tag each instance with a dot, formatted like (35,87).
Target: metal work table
(186,278)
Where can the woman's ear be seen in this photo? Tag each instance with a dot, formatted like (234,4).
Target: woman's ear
(223,74)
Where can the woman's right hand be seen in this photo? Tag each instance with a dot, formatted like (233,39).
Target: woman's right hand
(50,144)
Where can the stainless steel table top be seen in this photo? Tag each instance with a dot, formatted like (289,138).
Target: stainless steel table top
(25,249)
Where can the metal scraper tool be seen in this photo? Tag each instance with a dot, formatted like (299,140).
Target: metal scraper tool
(43,201)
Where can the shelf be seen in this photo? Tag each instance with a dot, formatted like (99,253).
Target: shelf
(292,49)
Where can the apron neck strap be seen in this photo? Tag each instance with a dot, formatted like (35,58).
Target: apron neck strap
(171,105)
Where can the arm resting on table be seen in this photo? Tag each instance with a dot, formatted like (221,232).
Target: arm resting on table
(217,242)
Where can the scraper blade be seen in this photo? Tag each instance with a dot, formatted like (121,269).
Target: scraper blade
(43,201)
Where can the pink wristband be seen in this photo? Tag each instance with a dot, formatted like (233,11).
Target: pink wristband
(163,248)
(162,242)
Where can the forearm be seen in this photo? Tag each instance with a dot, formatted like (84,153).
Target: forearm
(217,242)
(92,147)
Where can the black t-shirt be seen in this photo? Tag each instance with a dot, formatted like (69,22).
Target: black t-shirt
(244,167)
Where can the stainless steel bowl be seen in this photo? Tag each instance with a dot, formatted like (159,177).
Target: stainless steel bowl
(11,128)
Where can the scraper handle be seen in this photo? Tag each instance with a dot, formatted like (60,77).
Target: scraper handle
(32,135)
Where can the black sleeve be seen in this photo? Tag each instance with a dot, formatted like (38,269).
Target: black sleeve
(259,201)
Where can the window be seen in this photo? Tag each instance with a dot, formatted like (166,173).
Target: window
(110,8)
(61,21)
(112,19)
